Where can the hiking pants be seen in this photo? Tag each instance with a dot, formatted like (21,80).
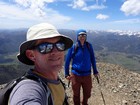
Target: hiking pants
(86,83)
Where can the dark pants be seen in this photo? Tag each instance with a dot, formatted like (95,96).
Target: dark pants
(86,83)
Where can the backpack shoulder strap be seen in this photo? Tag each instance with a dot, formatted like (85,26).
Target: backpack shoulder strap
(88,45)
(35,78)
(66,97)
(64,85)
(6,90)
(75,49)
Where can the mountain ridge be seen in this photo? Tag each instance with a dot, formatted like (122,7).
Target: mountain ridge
(107,46)
(119,85)
(98,39)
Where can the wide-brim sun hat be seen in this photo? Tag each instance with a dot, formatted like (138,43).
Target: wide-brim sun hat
(37,32)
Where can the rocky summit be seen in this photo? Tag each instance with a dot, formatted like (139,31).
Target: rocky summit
(118,86)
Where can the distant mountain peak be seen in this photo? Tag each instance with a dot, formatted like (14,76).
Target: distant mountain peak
(129,33)
(116,32)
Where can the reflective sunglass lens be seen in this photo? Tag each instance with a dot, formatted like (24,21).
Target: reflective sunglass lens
(45,48)
(60,46)
(48,47)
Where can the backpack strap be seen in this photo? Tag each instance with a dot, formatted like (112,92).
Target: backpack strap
(50,101)
(76,48)
(5,92)
(35,78)
(66,97)
(88,46)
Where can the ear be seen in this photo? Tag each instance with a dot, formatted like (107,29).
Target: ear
(30,55)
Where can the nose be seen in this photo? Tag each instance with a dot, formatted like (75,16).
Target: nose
(54,49)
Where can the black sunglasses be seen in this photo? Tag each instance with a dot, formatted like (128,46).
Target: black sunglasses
(45,48)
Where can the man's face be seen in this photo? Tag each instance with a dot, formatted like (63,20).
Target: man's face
(51,61)
(82,38)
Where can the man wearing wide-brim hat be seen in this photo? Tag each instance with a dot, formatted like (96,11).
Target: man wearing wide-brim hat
(44,49)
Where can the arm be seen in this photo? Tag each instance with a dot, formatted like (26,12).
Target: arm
(93,60)
(28,92)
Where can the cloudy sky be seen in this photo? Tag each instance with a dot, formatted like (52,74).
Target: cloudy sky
(72,14)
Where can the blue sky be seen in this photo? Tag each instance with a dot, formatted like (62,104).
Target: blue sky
(72,14)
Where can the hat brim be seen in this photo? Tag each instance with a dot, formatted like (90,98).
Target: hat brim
(82,33)
(29,44)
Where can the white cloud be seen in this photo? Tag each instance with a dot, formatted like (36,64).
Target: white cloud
(12,12)
(38,3)
(30,12)
(79,4)
(131,7)
(36,6)
(102,17)
(82,4)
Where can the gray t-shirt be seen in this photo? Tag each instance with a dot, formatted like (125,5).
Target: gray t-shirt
(29,92)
